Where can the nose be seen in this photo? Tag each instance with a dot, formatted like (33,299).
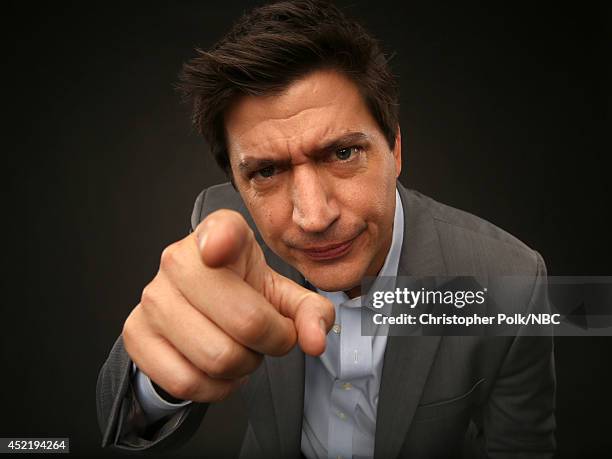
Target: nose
(314,207)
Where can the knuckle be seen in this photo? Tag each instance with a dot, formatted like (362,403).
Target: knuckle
(169,258)
(221,364)
(224,392)
(226,363)
(154,305)
(320,303)
(252,325)
(149,296)
(183,387)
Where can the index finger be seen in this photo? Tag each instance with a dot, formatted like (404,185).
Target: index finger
(234,305)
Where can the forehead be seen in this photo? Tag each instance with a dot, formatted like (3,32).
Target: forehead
(310,112)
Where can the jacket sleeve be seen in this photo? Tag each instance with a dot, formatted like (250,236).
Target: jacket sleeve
(120,416)
(121,419)
(519,418)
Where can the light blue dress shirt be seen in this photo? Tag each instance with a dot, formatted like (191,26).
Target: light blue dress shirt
(341,385)
(153,406)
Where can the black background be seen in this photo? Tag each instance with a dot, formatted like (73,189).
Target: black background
(504,113)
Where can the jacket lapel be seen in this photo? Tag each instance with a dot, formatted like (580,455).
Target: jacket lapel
(408,360)
(286,376)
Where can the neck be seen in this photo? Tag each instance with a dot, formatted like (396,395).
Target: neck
(354,292)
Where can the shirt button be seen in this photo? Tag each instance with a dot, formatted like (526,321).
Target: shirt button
(347,386)
(336,328)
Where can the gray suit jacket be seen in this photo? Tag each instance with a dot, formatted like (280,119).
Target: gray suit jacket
(439,396)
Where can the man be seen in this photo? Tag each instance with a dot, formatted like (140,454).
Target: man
(299,107)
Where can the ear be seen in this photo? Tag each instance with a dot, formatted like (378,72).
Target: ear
(397,152)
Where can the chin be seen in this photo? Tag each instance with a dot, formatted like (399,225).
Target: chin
(333,280)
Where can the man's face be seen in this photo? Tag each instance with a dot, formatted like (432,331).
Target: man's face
(317,175)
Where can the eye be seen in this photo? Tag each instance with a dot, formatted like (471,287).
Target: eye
(266,172)
(344,154)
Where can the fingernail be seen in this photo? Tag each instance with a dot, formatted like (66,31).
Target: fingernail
(323,327)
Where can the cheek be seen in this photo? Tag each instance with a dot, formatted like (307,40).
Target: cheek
(369,197)
(271,215)
(382,184)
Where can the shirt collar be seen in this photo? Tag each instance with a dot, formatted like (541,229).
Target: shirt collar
(389,268)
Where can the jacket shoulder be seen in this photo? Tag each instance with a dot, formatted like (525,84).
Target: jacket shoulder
(222,196)
(471,243)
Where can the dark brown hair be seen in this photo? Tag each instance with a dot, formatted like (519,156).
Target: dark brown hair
(273,45)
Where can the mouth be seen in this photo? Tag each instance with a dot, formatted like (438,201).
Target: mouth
(330,251)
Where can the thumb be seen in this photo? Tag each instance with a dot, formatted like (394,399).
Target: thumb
(312,314)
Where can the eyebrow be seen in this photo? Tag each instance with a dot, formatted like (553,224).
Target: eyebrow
(250,164)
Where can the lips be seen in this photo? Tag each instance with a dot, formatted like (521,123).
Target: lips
(329,252)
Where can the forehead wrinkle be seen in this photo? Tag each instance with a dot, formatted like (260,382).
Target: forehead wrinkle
(278,145)
(273,126)
(294,137)
(305,147)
